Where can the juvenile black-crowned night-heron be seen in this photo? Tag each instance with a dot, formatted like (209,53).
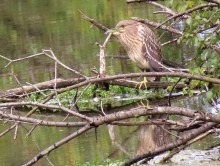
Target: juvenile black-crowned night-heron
(141,44)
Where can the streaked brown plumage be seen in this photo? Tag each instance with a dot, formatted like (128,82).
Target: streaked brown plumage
(141,44)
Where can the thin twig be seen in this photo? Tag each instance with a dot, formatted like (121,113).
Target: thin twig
(21,86)
(164,8)
(39,149)
(94,22)
(16,131)
(169,42)
(51,55)
(33,128)
(37,89)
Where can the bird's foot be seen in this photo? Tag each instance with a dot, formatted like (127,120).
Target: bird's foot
(142,84)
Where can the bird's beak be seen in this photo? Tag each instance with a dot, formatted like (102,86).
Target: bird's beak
(114,31)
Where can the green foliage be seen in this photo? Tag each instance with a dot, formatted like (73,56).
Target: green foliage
(209,95)
(115,96)
(201,33)
(181,6)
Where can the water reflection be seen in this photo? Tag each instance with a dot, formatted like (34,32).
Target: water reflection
(152,136)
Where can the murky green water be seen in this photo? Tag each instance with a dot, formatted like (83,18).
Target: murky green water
(26,27)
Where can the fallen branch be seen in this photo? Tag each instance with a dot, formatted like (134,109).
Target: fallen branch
(143,74)
(146,74)
(46,85)
(65,83)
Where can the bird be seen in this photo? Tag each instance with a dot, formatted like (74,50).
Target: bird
(141,44)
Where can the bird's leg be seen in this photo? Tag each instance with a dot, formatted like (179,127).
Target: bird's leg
(142,83)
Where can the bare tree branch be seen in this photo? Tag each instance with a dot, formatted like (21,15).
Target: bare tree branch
(94,22)
(154,24)
(164,8)
(52,56)
(214,1)
(187,12)
(48,53)
(33,121)
(48,106)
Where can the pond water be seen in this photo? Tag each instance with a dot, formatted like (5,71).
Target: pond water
(27,27)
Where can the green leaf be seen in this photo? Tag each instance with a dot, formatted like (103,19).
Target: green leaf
(189,21)
(197,17)
(190,93)
(169,88)
(194,83)
(209,95)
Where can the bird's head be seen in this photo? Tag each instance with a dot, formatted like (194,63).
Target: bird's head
(122,27)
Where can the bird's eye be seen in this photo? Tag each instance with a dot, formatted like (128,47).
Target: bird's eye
(122,27)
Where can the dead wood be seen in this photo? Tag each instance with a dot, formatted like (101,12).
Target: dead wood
(47,85)
(112,79)
(63,83)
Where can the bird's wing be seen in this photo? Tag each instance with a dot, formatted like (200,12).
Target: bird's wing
(151,49)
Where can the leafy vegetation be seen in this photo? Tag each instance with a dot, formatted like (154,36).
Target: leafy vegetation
(93,99)
(201,31)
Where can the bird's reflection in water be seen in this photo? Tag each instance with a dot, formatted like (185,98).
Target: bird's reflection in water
(152,136)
